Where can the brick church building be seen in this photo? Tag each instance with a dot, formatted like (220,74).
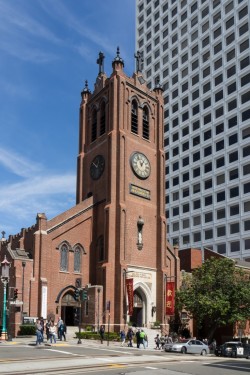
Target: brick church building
(116,231)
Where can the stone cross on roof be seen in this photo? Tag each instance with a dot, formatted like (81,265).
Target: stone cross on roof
(100,62)
(139,61)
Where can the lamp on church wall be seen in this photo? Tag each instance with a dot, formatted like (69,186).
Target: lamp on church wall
(140,223)
(153,310)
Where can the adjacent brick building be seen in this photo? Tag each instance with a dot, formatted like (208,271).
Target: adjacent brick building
(190,259)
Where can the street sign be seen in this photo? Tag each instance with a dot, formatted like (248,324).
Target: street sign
(16,302)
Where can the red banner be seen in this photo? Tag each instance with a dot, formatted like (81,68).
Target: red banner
(130,292)
(170,298)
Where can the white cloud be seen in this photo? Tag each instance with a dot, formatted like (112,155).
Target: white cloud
(14,19)
(64,14)
(28,53)
(22,35)
(14,90)
(18,164)
(39,191)
(35,187)
(84,51)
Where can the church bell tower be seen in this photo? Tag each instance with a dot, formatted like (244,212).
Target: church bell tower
(121,166)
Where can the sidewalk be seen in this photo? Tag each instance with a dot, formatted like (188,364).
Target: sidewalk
(31,341)
(73,340)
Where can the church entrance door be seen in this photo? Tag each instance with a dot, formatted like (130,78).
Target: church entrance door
(69,310)
(138,317)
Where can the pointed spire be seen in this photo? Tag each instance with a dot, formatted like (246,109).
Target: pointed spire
(118,58)
(86,89)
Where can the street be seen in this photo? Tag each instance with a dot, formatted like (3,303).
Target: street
(92,357)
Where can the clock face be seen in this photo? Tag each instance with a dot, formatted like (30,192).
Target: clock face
(140,165)
(97,167)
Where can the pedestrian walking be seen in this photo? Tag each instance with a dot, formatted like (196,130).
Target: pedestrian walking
(157,342)
(137,335)
(62,331)
(123,337)
(130,335)
(42,324)
(102,334)
(205,341)
(162,340)
(52,332)
(142,338)
(213,345)
(59,322)
(168,339)
(47,325)
(39,337)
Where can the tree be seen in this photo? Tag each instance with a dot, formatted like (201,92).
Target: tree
(218,292)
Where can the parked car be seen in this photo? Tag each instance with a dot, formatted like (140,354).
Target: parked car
(231,349)
(191,346)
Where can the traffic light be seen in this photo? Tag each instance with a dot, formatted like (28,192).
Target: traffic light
(84,294)
(15,293)
(77,294)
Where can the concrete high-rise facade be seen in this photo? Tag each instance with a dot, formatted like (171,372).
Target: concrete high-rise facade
(199,50)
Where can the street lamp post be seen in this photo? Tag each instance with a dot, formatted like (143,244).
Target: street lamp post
(5,279)
(165,295)
(98,309)
(23,266)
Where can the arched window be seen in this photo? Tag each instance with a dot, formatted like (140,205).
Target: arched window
(101,249)
(94,126)
(64,258)
(77,259)
(103,119)
(134,117)
(145,123)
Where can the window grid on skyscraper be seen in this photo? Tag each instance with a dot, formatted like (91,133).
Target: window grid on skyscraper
(200,51)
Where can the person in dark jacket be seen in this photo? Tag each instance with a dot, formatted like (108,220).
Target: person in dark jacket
(62,331)
(138,339)
(102,334)
(130,335)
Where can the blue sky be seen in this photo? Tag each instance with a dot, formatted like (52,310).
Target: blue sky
(47,50)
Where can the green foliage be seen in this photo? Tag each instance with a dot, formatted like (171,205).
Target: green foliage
(113,336)
(27,330)
(218,291)
(89,328)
